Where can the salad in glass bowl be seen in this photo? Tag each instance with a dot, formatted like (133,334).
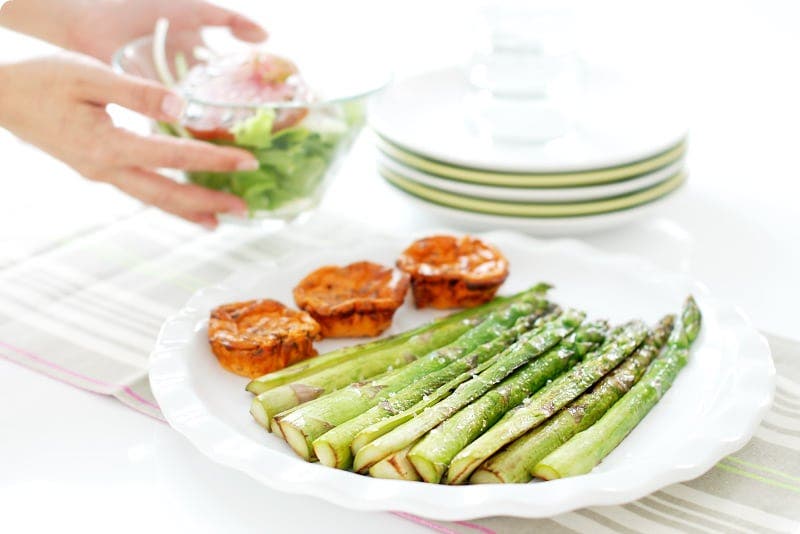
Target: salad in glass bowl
(299,124)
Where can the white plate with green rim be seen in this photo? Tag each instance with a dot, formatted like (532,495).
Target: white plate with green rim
(553,226)
(531,209)
(552,180)
(613,125)
(712,409)
(533,194)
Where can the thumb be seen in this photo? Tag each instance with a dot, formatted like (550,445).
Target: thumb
(241,26)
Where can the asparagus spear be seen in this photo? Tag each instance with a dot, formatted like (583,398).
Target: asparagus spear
(396,466)
(545,403)
(333,447)
(378,429)
(585,450)
(513,465)
(279,399)
(529,346)
(302,426)
(434,452)
(321,362)
(331,359)
(274,401)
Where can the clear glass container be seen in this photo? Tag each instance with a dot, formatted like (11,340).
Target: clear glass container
(299,141)
(522,73)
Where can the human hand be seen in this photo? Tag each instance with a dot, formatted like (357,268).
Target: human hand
(100,27)
(58,104)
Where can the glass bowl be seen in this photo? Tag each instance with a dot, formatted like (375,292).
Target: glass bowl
(299,143)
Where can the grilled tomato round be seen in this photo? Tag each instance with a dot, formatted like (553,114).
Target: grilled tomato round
(260,336)
(357,300)
(453,272)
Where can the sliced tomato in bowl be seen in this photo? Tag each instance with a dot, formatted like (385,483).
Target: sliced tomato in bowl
(224,92)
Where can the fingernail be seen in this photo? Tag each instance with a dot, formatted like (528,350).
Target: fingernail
(247,165)
(239,211)
(172,106)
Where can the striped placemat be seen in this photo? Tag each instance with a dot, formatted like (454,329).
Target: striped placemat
(88,310)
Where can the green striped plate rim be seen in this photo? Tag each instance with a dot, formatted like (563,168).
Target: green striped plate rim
(556,179)
(529,209)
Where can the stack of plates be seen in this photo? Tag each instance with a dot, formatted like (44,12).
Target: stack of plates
(623,155)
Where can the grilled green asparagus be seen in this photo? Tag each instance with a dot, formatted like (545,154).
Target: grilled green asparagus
(434,452)
(529,346)
(585,450)
(302,426)
(515,463)
(333,448)
(535,410)
(373,349)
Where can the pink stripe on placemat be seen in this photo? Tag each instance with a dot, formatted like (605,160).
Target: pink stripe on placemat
(138,398)
(475,526)
(114,387)
(424,522)
(73,384)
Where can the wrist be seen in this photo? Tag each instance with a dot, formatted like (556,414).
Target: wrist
(11,106)
(5,94)
(13,101)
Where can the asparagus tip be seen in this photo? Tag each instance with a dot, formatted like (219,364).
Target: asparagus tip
(692,318)
(542,287)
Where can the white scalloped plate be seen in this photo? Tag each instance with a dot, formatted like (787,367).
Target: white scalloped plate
(712,410)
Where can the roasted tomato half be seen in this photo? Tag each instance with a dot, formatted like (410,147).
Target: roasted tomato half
(453,272)
(260,336)
(260,79)
(353,301)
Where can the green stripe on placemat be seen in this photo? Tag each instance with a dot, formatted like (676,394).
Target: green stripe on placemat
(530,209)
(556,179)
(754,490)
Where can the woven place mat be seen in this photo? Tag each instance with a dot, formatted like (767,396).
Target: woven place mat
(88,310)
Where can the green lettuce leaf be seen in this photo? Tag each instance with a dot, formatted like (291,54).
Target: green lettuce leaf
(256,131)
(293,162)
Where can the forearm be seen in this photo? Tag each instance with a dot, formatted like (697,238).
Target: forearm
(26,88)
(100,27)
(49,20)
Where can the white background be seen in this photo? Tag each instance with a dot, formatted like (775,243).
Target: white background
(69,458)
